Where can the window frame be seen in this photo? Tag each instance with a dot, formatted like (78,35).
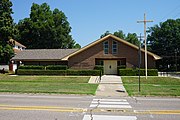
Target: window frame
(116,48)
(106,47)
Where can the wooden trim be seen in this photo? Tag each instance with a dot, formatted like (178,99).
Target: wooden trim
(110,58)
(156,57)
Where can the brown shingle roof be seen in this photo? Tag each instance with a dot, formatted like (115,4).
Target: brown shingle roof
(43,54)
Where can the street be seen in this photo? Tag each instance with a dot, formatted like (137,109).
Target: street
(78,107)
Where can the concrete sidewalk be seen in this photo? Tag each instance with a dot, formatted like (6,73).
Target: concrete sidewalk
(111,86)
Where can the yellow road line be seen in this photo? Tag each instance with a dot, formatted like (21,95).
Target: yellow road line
(73,109)
(157,111)
(44,108)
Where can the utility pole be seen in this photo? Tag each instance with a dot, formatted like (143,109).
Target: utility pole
(139,61)
(145,21)
(176,58)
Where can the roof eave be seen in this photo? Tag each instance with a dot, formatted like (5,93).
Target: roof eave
(37,60)
(156,57)
(85,47)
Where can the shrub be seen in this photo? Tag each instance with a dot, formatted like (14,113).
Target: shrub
(152,72)
(121,67)
(84,72)
(56,67)
(99,67)
(31,67)
(135,72)
(58,72)
(127,72)
(40,72)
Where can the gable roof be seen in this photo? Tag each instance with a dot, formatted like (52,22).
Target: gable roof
(43,54)
(156,57)
(17,43)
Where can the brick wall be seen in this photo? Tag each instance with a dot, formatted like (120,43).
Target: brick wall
(86,59)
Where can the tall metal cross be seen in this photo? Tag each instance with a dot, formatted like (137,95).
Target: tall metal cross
(145,21)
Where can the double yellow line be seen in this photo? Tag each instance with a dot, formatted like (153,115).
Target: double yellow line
(73,109)
(42,108)
(157,111)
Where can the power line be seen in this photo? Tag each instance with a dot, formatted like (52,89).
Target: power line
(170,12)
(177,15)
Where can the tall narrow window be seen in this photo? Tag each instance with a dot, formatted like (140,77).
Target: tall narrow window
(114,47)
(106,47)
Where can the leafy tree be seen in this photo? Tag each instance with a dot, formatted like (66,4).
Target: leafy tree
(164,40)
(105,34)
(77,46)
(45,29)
(120,34)
(6,52)
(131,37)
(7,30)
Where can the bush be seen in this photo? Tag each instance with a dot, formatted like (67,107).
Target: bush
(127,72)
(121,67)
(40,72)
(99,67)
(135,72)
(56,67)
(58,72)
(31,67)
(83,72)
(152,72)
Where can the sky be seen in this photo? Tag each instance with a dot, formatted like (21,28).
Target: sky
(89,19)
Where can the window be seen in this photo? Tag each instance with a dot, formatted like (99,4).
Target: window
(122,62)
(114,47)
(99,62)
(106,47)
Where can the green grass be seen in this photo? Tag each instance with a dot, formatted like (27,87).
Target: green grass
(153,86)
(46,84)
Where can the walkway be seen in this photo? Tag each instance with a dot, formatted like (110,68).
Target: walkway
(111,86)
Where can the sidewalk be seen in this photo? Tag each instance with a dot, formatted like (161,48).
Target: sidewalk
(110,86)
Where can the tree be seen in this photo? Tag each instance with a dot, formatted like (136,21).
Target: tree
(77,46)
(7,30)
(120,34)
(6,52)
(131,37)
(105,34)
(164,40)
(45,29)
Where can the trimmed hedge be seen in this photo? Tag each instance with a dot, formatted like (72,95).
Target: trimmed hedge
(135,72)
(31,67)
(99,67)
(152,72)
(121,67)
(126,72)
(50,67)
(59,72)
(56,67)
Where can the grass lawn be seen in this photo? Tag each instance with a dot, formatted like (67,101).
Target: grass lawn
(47,84)
(153,86)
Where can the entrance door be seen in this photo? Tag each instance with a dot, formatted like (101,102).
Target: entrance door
(110,67)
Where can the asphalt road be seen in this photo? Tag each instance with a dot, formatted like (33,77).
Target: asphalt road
(156,108)
(76,107)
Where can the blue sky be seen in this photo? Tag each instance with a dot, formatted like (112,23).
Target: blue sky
(91,18)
